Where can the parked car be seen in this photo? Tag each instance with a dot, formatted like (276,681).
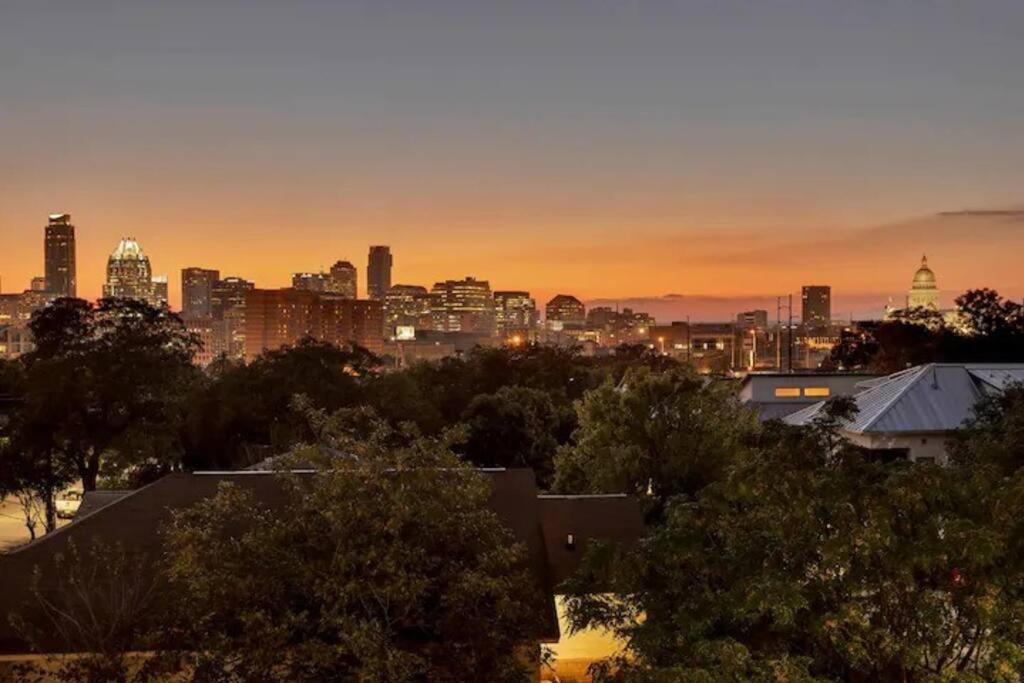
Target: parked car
(68,502)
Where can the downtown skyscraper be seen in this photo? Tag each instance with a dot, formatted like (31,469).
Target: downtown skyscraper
(59,256)
(197,291)
(378,272)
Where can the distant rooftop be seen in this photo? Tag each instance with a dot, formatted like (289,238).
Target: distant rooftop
(936,397)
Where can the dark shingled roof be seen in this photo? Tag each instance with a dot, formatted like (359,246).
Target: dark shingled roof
(541,523)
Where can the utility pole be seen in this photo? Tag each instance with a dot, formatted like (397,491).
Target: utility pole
(688,353)
(778,333)
(778,337)
(790,307)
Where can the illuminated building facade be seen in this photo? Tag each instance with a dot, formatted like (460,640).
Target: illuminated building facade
(463,306)
(757,318)
(129,275)
(565,311)
(197,292)
(378,272)
(407,306)
(59,256)
(515,315)
(343,280)
(281,317)
(312,282)
(229,293)
(924,291)
(160,291)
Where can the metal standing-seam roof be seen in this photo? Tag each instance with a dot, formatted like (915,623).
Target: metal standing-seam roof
(936,397)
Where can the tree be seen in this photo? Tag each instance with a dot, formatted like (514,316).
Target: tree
(657,435)
(988,328)
(386,565)
(987,314)
(516,427)
(241,406)
(99,603)
(32,470)
(105,386)
(812,559)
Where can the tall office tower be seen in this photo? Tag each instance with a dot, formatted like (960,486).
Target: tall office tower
(129,275)
(59,256)
(515,314)
(463,306)
(565,311)
(378,272)
(406,306)
(160,293)
(311,282)
(816,309)
(197,292)
(228,294)
(343,280)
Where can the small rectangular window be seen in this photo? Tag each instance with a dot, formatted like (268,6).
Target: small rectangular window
(570,542)
(787,392)
(816,391)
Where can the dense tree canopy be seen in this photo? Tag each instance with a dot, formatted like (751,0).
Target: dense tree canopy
(989,328)
(810,559)
(657,434)
(386,565)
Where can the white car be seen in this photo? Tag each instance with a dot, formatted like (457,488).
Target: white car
(68,502)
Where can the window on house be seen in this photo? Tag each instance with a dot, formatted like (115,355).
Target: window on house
(787,392)
(570,542)
(816,391)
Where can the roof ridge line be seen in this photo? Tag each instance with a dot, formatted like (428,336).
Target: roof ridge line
(892,401)
(56,532)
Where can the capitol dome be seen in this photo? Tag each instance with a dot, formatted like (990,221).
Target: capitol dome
(924,278)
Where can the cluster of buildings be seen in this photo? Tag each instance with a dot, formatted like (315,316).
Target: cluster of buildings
(234,318)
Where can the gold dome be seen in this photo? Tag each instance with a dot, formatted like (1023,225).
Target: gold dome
(924,278)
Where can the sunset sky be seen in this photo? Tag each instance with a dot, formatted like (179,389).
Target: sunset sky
(611,149)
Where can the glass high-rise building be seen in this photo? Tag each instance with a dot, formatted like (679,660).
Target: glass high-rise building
(229,294)
(129,275)
(378,272)
(342,280)
(197,291)
(59,256)
(407,306)
(463,306)
(515,314)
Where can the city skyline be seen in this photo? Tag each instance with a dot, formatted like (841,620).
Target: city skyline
(613,150)
(971,248)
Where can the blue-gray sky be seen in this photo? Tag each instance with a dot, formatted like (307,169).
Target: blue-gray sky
(484,137)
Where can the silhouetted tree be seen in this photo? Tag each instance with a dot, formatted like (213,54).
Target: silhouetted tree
(517,427)
(240,410)
(989,329)
(105,386)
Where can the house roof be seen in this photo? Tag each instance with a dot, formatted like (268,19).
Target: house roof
(133,520)
(936,397)
(95,500)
